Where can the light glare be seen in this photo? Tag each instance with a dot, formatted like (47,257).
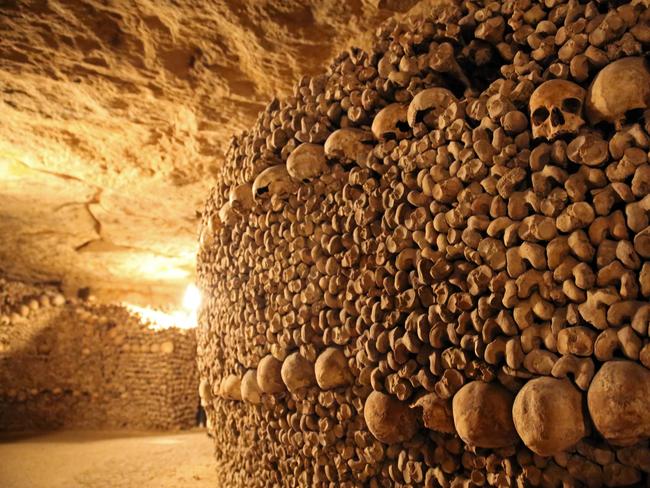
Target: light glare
(180,319)
(192,298)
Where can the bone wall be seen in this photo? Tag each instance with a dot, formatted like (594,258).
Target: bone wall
(78,364)
(429,265)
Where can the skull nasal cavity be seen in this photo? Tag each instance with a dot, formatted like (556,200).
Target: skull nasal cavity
(556,117)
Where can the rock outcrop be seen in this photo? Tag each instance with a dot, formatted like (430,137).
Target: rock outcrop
(116,116)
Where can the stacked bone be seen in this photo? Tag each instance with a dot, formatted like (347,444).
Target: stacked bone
(83,365)
(429,266)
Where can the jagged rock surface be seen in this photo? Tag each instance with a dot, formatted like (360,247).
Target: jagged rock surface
(115,117)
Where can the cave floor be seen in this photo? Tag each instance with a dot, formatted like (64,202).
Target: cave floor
(107,459)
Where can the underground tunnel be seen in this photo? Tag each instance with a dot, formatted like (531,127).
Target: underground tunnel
(318,244)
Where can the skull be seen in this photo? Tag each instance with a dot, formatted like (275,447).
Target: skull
(618,402)
(389,420)
(390,123)
(349,145)
(332,369)
(226,214)
(428,105)
(548,415)
(275,180)
(556,109)
(230,387)
(207,230)
(436,413)
(250,391)
(269,376)
(297,372)
(306,162)
(241,196)
(483,415)
(618,88)
(205,393)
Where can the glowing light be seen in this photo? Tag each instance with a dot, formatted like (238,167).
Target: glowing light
(180,319)
(192,299)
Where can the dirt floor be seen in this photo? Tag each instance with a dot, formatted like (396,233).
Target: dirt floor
(80,459)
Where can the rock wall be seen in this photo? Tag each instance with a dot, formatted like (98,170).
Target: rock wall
(116,117)
(77,364)
(429,265)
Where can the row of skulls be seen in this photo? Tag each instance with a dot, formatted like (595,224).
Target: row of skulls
(547,413)
(556,108)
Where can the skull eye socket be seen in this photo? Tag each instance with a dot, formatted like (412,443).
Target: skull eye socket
(571,105)
(540,115)
(403,126)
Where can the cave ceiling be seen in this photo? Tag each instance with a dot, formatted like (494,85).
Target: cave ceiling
(115,117)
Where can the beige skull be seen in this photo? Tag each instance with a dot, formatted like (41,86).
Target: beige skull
(274,180)
(269,376)
(241,196)
(390,123)
(227,214)
(230,387)
(428,105)
(548,415)
(306,162)
(332,369)
(618,88)
(349,145)
(250,390)
(556,109)
(297,372)
(207,230)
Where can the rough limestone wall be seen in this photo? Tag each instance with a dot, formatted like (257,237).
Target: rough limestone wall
(429,266)
(108,105)
(84,365)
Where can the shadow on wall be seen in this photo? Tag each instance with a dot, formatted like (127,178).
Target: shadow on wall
(83,365)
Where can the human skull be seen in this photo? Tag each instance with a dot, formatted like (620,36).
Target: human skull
(332,369)
(483,415)
(428,105)
(226,214)
(230,387)
(618,88)
(207,230)
(275,180)
(241,196)
(436,413)
(389,420)
(297,372)
(548,415)
(205,393)
(390,123)
(250,391)
(618,402)
(349,145)
(269,376)
(306,162)
(556,109)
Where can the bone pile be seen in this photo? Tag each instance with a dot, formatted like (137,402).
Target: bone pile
(429,266)
(76,364)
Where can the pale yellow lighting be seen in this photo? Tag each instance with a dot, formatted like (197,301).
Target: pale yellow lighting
(192,299)
(180,319)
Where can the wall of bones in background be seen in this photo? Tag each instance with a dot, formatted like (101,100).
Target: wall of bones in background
(76,364)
